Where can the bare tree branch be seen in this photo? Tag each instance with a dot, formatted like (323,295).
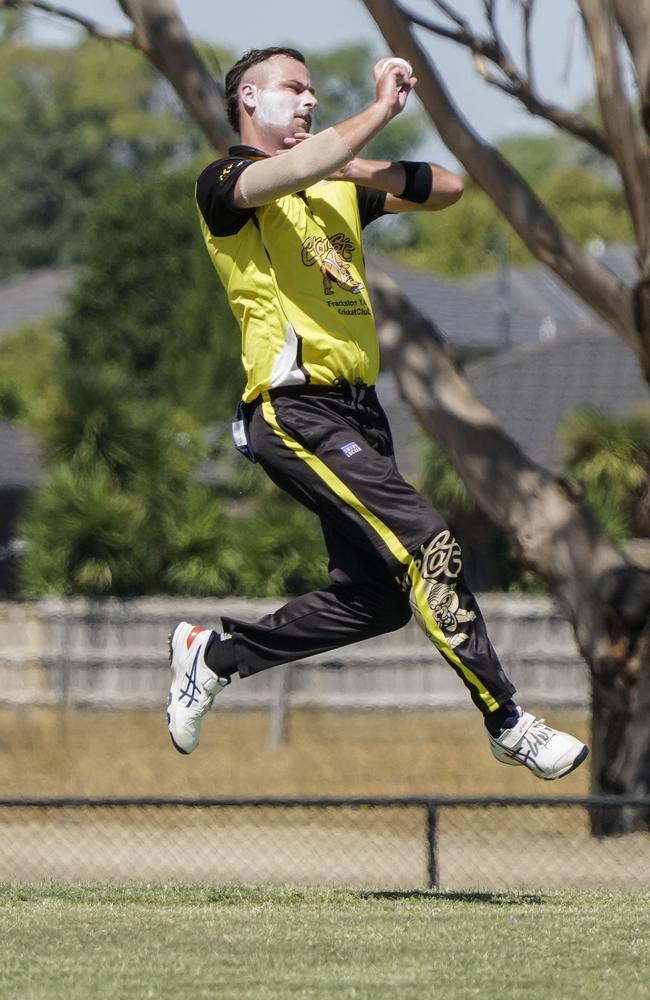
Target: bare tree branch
(634,21)
(501,47)
(452,14)
(629,143)
(159,31)
(541,233)
(515,84)
(92,27)
(527,7)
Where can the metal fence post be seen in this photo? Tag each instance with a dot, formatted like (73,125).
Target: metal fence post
(280,708)
(432,845)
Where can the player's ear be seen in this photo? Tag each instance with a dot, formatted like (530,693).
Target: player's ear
(248,95)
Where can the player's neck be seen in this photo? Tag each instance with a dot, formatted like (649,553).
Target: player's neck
(261,139)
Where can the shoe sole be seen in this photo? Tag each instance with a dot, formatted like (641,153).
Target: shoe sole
(170,639)
(582,756)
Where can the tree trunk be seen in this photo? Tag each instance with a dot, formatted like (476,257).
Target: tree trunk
(160,33)
(606,599)
(594,283)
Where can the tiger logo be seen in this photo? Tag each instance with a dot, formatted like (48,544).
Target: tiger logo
(333,256)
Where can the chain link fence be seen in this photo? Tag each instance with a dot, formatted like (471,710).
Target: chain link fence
(396,843)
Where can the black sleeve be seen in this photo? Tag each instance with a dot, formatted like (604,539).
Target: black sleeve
(371,205)
(214,196)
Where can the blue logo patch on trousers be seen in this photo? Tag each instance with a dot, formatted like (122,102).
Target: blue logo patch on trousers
(350,449)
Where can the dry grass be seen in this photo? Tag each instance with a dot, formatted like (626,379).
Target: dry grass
(55,752)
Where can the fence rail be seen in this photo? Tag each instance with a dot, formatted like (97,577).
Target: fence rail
(112,654)
(393,842)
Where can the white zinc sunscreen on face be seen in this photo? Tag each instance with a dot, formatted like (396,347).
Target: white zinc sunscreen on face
(278,108)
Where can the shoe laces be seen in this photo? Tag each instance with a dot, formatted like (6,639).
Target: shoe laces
(537,736)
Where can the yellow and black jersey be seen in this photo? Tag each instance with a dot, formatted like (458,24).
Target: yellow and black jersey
(294,274)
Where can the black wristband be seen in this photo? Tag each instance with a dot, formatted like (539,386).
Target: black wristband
(419,181)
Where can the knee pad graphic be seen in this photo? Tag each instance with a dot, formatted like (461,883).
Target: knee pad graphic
(433,595)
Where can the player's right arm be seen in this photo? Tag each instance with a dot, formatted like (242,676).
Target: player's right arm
(321,155)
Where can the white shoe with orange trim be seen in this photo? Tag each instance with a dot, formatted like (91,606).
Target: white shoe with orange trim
(194,686)
(547,752)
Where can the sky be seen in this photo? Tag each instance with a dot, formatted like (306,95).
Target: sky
(312,25)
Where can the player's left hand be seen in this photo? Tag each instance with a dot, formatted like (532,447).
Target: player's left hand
(294,140)
(344,174)
(347,172)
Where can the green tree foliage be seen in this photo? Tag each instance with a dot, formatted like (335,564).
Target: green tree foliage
(28,358)
(610,458)
(148,299)
(12,25)
(439,481)
(487,552)
(274,547)
(462,240)
(590,208)
(119,475)
(472,236)
(86,537)
(68,119)
(110,522)
(150,353)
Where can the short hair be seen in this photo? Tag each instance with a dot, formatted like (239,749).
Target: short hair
(236,72)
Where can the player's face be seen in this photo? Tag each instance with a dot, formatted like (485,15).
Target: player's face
(285,98)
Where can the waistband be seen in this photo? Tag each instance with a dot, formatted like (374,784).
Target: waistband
(351,392)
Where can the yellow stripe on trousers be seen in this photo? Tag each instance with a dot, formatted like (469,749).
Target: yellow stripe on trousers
(418,584)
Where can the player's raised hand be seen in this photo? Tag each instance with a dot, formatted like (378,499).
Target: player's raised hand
(394,81)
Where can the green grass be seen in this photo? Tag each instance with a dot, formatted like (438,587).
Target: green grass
(240,943)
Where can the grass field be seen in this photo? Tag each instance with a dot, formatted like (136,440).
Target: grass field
(262,943)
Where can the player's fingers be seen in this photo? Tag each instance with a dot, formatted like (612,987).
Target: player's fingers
(293,140)
(393,66)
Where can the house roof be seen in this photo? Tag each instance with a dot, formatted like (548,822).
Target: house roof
(19,462)
(406,432)
(31,296)
(27,298)
(531,389)
(456,310)
(503,309)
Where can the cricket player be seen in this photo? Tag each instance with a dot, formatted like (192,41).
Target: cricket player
(282,218)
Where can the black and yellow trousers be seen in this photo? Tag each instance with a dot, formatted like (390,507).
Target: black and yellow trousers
(390,553)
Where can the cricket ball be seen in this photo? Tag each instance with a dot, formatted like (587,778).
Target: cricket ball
(386,64)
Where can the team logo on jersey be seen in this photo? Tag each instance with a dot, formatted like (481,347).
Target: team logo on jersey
(332,255)
(226,170)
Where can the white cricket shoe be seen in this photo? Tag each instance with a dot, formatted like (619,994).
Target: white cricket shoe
(547,752)
(193,686)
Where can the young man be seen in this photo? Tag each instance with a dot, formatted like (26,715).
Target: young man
(284,234)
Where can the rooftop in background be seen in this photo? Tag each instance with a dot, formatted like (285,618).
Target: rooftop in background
(28,297)
(531,389)
(19,463)
(500,310)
